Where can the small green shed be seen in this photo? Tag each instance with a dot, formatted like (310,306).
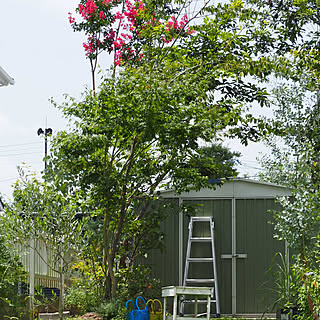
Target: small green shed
(244,243)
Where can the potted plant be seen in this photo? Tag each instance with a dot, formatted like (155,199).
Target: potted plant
(286,289)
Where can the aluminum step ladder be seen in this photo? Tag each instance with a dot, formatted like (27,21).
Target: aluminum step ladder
(209,282)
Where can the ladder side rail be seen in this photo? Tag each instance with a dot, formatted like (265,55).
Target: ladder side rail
(215,269)
(186,266)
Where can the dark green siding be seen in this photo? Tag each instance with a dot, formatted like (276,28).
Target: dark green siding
(165,265)
(255,237)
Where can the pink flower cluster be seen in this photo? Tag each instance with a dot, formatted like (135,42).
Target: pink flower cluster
(89,10)
(71,19)
(174,24)
(133,10)
(190,31)
(102,16)
(110,35)
(90,47)
(127,22)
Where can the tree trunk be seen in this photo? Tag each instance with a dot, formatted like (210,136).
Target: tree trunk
(61,301)
(112,276)
(107,280)
(107,287)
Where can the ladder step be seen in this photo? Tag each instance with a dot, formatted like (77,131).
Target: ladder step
(200,218)
(203,239)
(199,301)
(200,259)
(200,280)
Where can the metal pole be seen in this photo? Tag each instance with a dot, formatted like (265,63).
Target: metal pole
(234,258)
(45,152)
(47,132)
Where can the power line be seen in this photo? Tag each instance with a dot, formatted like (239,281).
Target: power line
(10,179)
(19,144)
(18,154)
(33,149)
(30,163)
(249,176)
(251,167)
(244,160)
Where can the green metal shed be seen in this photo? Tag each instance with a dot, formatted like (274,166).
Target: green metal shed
(244,242)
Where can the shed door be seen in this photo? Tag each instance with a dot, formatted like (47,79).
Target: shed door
(221,210)
(254,236)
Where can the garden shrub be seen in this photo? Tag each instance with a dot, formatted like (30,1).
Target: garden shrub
(80,300)
(133,282)
(309,288)
(138,281)
(12,302)
(113,309)
(85,294)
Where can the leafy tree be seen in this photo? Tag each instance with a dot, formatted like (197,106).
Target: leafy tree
(291,33)
(41,215)
(294,28)
(295,163)
(154,35)
(216,161)
(294,158)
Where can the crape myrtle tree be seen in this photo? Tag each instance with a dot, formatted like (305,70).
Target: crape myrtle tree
(176,83)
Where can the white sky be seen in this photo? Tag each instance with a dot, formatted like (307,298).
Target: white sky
(45,57)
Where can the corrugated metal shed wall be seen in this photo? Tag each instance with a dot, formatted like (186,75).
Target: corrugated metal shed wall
(165,265)
(255,237)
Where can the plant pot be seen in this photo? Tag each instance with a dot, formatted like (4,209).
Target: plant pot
(282,314)
(287,313)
